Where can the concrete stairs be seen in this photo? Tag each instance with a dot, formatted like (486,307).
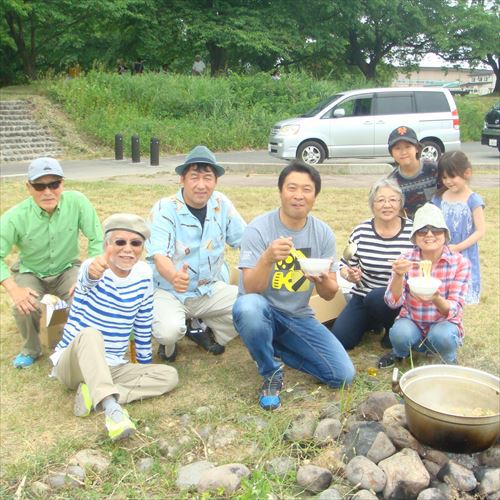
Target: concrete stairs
(21,137)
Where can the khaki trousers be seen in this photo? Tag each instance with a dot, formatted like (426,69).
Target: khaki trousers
(84,361)
(170,314)
(29,324)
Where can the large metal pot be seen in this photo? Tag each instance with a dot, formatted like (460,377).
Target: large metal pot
(441,404)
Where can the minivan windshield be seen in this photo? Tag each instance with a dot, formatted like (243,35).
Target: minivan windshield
(323,104)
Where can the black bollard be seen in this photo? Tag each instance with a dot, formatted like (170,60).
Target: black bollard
(118,147)
(136,149)
(154,152)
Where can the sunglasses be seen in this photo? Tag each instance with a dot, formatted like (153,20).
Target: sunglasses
(134,243)
(40,186)
(434,230)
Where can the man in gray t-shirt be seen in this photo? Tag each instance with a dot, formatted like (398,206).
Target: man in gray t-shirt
(271,313)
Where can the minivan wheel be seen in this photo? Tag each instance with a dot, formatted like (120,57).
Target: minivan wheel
(311,152)
(431,151)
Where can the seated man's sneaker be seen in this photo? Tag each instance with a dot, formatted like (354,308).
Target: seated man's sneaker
(204,337)
(122,429)
(23,360)
(83,402)
(388,360)
(164,357)
(269,398)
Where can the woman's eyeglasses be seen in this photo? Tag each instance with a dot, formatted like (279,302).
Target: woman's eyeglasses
(434,230)
(134,243)
(40,186)
(391,201)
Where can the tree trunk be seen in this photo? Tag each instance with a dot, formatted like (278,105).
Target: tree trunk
(27,56)
(495,66)
(218,59)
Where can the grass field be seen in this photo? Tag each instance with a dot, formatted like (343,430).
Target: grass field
(39,432)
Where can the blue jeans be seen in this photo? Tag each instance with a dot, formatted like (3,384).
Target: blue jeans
(362,314)
(442,339)
(301,342)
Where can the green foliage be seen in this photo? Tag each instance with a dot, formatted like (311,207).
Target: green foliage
(471,110)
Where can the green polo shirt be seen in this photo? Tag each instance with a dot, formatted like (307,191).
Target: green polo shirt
(49,244)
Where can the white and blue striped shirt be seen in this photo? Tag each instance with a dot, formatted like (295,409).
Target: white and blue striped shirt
(115,306)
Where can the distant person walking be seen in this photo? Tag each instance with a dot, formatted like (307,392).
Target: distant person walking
(138,67)
(198,66)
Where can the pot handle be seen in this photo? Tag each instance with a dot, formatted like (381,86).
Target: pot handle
(395,382)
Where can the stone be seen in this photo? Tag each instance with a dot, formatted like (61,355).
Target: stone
(432,468)
(436,456)
(173,449)
(330,494)
(432,494)
(364,495)
(331,410)
(75,476)
(405,473)
(185,420)
(228,477)
(144,464)
(360,437)
(302,427)
(444,488)
(203,411)
(314,478)
(489,482)
(457,476)
(189,475)
(281,466)
(224,436)
(375,404)
(403,438)
(327,431)
(490,457)
(381,448)
(56,480)
(331,458)
(470,462)
(40,489)
(259,423)
(205,432)
(94,459)
(363,473)
(395,415)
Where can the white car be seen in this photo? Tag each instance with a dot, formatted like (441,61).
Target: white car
(357,123)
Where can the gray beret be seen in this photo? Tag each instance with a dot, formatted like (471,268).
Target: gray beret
(126,222)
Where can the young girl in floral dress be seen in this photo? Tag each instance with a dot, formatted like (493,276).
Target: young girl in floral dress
(464,213)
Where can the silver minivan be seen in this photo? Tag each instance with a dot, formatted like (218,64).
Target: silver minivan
(357,123)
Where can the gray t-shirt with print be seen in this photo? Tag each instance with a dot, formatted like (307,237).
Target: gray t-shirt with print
(288,290)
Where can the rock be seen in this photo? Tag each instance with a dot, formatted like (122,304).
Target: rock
(364,473)
(444,488)
(93,459)
(314,478)
(331,458)
(330,494)
(395,415)
(432,468)
(402,438)
(205,432)
(281,466)
(470,462)
(489,482)
(228,477)
(40,489)
(175,448)
(375,404)
(224,436)
(364,495)
(203,411)
(331,410)
(405,473)
(189,475)
(490,457)
(327,430)
(381,448)
(436,456)
(457,476)
(75,476)
(144,464)
(56,480)
(302,427)
(185,420)
(432,494)
(259,423)
(360,437)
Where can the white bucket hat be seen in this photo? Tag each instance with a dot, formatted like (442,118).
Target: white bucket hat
(429,215)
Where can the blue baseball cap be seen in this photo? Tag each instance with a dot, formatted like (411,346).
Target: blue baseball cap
(44,166)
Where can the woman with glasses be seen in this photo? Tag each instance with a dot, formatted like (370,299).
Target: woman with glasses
(429,325)
(378,240)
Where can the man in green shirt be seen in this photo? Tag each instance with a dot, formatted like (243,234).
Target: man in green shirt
(45,229)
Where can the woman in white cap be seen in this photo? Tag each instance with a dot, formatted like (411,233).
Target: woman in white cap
(433,324)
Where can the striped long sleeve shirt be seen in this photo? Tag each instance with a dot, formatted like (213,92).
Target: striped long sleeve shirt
(115,306)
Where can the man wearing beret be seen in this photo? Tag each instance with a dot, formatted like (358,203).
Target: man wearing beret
(189,231)
(45,228)
(113,297)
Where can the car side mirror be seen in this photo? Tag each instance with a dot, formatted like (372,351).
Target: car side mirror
(339,113)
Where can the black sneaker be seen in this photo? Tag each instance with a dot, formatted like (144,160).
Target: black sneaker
(164,357)
(388,360)
(385,341)
(204,337)
(269,397)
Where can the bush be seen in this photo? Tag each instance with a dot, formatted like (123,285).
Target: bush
(471,110)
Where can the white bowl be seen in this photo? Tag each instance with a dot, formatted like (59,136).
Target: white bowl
(314,267)
(425,288)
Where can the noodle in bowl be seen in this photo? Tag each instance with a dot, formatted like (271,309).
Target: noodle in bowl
(424,287)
